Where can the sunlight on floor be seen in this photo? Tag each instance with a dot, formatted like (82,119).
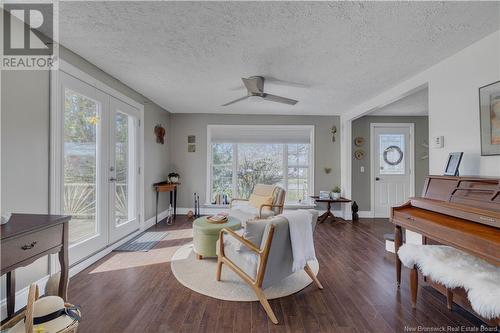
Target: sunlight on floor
(159,255)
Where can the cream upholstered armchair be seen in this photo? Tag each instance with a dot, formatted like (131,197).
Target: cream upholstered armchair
(261,255)
(265,201)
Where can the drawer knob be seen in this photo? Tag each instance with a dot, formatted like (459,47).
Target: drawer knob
(410,218)
(28,246)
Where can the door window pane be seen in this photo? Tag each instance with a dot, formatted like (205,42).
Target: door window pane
(124,159)
(391,154)
(81,128)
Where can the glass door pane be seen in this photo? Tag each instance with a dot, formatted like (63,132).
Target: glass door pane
(124,158)
(83,191)
(81,131)
(123,170)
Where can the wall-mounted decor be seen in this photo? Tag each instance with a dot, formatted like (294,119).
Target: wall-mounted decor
(191,138)
(333,131)
(359,154)
(453,164)
(191,148)
(425,150)
(160,134)
(328,170)
(359,141)
(393,155)
(489,113)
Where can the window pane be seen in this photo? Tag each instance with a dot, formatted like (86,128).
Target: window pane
(258,164)
(222,169)
(81,123)
(297,184)
(222,153)
(293,158)
(303,154)
(391,154)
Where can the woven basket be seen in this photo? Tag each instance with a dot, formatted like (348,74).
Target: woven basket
(27,315)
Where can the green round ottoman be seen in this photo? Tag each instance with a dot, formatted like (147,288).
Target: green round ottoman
(206,234)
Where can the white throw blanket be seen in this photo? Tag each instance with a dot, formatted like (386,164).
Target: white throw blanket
(301,235)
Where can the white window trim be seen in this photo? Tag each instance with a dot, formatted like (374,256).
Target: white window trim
(212,127)
(56,135)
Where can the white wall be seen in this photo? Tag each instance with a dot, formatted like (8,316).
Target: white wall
(453,108)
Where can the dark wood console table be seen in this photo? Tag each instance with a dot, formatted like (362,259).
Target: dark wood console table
(28,237)
(329,202)
(166,187)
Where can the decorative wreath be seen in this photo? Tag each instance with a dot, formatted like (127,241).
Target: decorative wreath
(392,148)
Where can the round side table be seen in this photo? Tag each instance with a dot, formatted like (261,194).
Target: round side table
(206,234)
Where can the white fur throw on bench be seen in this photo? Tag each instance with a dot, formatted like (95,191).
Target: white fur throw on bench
(454,268)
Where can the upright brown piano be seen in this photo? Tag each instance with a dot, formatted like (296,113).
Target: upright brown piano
(463,212)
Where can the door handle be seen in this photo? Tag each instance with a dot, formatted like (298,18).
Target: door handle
(112,179)
(377,178)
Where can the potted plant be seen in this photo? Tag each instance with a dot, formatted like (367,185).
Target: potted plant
(336,192)
(173,177)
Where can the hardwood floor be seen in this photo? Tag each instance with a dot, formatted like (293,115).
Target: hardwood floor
(137,292)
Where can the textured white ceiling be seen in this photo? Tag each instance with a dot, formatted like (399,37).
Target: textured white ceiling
(189,56)
(416,104)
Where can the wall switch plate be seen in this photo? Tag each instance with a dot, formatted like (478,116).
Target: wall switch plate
(438,141)
(362,169)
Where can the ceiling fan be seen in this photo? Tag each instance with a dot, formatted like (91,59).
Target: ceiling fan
(255,87)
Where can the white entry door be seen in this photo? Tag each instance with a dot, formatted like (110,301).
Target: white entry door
(392,159)
(100,167)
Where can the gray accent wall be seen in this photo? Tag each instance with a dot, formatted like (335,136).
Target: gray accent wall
(25,133)
(361,181)
(192,167)
(25,154)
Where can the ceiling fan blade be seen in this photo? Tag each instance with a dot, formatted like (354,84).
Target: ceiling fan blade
(254,84)
(235,101)
(279,99)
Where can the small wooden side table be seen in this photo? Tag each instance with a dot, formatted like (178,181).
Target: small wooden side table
(166,187)
(329,203)
(27,237)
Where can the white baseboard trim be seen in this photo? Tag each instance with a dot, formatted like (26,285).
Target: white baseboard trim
(365,214)
(22,297)
(151,221)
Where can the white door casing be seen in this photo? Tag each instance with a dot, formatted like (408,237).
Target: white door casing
(392,166)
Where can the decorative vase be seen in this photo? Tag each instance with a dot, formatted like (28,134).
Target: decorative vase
(174,179)
(335,195)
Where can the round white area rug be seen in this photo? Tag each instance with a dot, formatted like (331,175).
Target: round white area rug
(199,275)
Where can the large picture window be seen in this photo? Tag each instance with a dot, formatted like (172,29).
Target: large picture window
(242,156)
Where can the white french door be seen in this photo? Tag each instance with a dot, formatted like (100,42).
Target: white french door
(99,174)
(123,170)
(392,171)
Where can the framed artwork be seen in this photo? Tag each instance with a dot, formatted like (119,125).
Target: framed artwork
(453,164)
(191,139)
(489,113)
(191,148)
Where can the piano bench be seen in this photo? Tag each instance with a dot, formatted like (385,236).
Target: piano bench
(455,269)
